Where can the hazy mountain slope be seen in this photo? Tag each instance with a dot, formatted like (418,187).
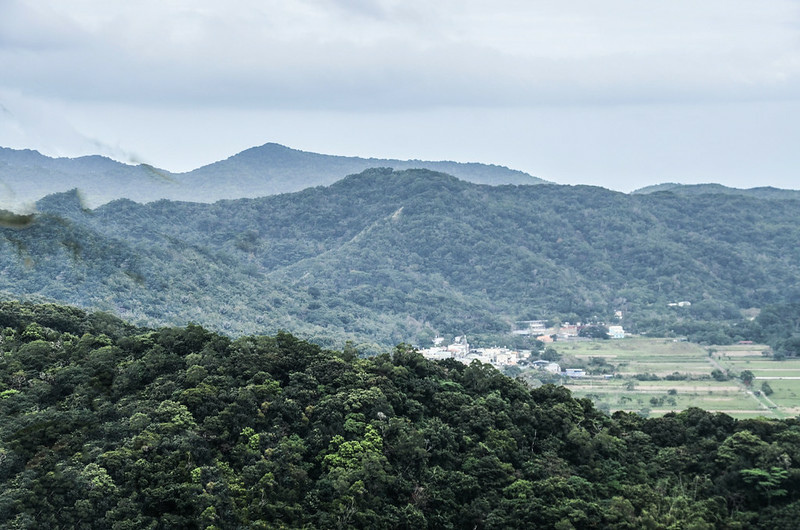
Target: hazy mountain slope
(272,168)
(26,176)
(398,256)
(763,192)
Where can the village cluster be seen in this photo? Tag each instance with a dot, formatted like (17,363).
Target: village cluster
(461,351)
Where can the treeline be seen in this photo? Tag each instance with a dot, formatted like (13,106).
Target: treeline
(106,426)
(777,325)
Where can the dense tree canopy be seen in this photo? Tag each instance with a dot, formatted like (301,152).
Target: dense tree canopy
(107,426)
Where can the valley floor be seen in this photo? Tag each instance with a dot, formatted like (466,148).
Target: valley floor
(655,376)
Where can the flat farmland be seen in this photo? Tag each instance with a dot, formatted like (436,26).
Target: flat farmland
(655,376)
(639,356)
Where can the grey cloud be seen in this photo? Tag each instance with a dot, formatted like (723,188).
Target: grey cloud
(308,75)
(392,12)
(24,27)
(405,55)
(367,8)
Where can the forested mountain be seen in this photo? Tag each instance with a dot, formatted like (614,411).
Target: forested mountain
(27,176)
(110,427)
(764,192)
(386,256)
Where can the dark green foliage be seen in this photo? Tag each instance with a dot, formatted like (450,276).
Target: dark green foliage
(398,256)
(779,326)
(719,375)
(595,332)
(184,428)
(551,354)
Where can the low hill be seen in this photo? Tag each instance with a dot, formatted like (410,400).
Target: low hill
(386,256)
(26,176)
(106,426)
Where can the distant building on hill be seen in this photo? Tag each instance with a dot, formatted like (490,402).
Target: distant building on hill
(530,327)
(616,332)
(460,346)
(568,330)
(461,352)
(684,303)
(547,366)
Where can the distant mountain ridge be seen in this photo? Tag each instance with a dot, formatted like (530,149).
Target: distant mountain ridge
(288,170)
(762,192)
(26,176)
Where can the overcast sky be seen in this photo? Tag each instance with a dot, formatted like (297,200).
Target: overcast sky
(619,93)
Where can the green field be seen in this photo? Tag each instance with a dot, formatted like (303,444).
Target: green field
(634,374)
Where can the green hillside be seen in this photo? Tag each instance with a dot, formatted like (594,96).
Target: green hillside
(103,425)
(386,256)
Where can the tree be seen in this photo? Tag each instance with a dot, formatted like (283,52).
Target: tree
(719,375)
(595,332)
(768,481)
(767,389)
(272,431)
(550,354)
(747,377)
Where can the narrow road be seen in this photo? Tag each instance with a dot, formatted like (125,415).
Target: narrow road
(749,392)
(716,365)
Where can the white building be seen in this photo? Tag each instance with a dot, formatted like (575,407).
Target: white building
(460,347)
(616,332)
(547,366)
(436,354)
(530,327)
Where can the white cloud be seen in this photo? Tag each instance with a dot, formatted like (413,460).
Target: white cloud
(548,86)
(356,54)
